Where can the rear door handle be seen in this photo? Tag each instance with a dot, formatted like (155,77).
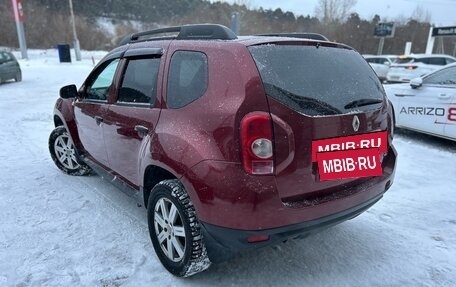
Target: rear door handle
(142,129)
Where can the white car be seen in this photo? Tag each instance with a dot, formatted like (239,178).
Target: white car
(427,104)
(409,67)
(380,64)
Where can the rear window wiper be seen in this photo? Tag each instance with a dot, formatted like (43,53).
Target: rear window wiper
(362,102)
(320,107)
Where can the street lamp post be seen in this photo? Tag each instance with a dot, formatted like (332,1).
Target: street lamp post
(77,49)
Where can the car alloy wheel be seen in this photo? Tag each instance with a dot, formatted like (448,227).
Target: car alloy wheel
(175,230)
(63,153)
(64,149)
(169,229)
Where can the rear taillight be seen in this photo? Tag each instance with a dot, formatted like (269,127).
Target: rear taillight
(411,67)
(256,140)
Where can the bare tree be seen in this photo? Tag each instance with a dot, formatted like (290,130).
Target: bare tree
(334,11)
(421,15)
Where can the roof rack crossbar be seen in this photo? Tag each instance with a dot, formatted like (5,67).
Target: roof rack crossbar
(186,32)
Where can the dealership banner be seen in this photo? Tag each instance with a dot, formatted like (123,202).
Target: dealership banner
(18,12)
(444,31)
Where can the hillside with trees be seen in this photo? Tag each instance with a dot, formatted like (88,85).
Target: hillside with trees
(101,23)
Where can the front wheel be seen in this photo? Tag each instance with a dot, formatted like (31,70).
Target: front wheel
(175,231)
(64,154)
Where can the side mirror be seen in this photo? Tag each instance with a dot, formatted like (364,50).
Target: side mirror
(386,63)
(68,92)
(416,82)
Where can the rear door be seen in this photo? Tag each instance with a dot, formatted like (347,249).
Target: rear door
(316,92)
(91,108)
(450,127)
(427,108)
(131,119)
(444,82)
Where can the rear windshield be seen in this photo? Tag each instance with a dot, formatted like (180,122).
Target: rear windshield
(441,61)
(404,60)
(317,80)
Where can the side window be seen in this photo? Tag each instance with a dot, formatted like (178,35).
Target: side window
(99,89)
(437,61)
(443,77)
(422,60)
(5,57)
(449,61)
(8,57)
(139,82)
(188,78)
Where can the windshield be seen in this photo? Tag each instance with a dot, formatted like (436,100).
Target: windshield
(317,80)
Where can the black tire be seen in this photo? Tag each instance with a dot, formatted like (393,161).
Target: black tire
(192,257)
(18,76)
(64,154)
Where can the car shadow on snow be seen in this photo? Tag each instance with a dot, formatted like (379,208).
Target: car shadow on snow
(338,252)
(357,246)
(427,140)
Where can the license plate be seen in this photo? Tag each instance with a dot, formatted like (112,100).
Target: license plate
(350,157)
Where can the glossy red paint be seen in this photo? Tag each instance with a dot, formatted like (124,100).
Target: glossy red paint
(297,178)
(200,143)
(90,129)
(249,202)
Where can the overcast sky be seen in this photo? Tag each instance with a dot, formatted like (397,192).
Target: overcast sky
(443,12)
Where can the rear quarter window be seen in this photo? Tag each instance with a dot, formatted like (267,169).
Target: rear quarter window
(187,78)
(317,80)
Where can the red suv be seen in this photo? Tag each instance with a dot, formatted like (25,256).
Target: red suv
(231,143)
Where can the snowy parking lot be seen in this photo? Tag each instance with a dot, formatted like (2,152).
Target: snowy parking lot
(58,230)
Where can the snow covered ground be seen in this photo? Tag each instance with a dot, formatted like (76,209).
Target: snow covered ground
(58,230)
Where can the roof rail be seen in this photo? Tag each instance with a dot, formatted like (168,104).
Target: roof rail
(312,36)
(186,32)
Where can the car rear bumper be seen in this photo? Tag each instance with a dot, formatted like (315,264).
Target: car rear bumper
(396,78)
(249,206)
(402,76)
(224,195)
(223,243)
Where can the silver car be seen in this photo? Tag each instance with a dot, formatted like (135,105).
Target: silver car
(380,64)
(9,68)
(409,67)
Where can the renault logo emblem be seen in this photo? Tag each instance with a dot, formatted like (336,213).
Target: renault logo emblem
(355,123)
